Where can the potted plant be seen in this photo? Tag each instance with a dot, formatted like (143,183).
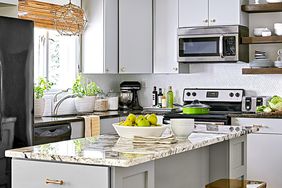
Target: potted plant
(39,90)
(86,94)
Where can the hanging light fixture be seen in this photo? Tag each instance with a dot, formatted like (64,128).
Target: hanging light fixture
(70,20)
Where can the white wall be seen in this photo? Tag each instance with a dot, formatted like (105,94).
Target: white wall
(211,75)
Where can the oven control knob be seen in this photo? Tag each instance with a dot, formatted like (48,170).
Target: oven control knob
(188,94)
(194,94)
(237,94)
(231,129)
(231,94)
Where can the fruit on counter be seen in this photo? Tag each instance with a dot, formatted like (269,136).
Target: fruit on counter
(131,117)
(152,119)
(274,105)
(140,121)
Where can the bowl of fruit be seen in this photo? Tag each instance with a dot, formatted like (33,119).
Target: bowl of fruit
(145,126)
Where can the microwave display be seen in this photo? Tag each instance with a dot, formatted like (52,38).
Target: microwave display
(199,46)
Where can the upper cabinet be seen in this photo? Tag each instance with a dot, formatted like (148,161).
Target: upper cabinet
(135,36)
(194,13)
(165,36)
(8,3)
(100,39)
(9,8)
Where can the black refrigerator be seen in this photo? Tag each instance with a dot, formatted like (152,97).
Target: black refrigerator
(16,87)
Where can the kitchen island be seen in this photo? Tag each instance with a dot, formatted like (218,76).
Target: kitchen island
(109,161)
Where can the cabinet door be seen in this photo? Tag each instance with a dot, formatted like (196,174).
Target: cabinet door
(165,36)
(34,174)
(193,13)
(222,12)
(100,39)
(107,125)
(265,158)
(135,36)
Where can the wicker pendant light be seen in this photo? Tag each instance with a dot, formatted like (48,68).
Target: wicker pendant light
(70,20)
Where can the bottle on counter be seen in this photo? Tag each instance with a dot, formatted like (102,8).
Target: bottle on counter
(164,101)
(160,94)
(155,96)
(170,98)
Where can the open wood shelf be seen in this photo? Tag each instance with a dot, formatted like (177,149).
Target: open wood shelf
(261,8)
(262,40)
(262,71)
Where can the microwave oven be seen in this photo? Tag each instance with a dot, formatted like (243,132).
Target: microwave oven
(213,44)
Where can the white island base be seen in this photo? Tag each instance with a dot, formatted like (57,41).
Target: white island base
(191,169)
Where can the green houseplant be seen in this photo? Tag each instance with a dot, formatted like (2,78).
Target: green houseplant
(86,93)
(39,90)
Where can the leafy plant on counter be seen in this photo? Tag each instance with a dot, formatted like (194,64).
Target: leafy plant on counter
(42,86)
(83,88)
(274,105)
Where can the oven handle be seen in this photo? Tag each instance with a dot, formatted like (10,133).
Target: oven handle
(221,46)
(167,122)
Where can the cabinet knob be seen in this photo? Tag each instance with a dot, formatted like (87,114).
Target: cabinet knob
(213,20)
(205,21)
(122,69)
(175,69)
(107,70)
(56,182)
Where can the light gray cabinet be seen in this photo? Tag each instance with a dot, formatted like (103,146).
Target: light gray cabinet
(211,13)
(264,159)
(9,8)
(165,36)
(33,174)
(100,39)
(107,125)
(135,36)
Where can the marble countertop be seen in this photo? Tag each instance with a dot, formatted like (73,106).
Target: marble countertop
(257,115)
(109,150)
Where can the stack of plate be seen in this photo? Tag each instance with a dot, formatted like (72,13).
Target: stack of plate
(261,61)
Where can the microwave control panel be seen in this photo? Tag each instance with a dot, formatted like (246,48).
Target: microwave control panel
(229,46)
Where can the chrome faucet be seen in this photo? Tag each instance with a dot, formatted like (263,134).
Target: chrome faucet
(58,104)
(60,92)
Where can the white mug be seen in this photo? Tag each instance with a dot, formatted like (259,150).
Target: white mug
(182,128)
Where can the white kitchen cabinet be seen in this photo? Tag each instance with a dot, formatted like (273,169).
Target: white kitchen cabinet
(100,39)
(34,174)
(194,13)
(135,36)
(264,159)
(8,3)
(107,125)
(165,36)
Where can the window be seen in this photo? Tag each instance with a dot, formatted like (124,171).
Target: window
(56,57)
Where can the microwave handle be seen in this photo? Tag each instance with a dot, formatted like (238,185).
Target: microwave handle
(221,46)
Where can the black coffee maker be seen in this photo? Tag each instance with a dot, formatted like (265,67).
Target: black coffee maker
(128,96)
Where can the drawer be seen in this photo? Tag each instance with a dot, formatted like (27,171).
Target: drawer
(34,174)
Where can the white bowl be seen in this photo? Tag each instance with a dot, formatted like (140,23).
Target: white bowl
(274,1)
(182,128)
(278,64)
(130,132)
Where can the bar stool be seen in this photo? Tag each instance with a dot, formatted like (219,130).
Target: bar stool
(233,183)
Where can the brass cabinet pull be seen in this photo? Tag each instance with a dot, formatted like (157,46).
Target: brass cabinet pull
(57,182)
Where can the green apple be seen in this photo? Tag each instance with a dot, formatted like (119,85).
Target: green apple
(131,117)
(143,123)
(127,123)
(153,119)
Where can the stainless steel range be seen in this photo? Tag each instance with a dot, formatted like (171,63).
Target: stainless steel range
(221,101)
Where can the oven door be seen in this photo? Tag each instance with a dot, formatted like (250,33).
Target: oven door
(200,48)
